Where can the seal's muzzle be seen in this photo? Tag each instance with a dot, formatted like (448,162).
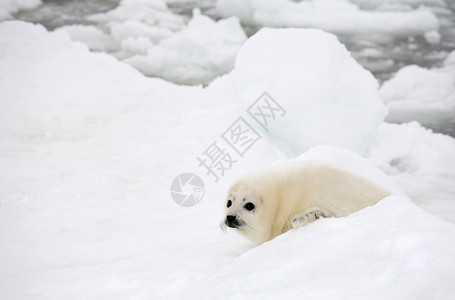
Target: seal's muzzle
(231,221)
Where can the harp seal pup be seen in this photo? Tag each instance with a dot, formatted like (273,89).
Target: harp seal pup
(267,203)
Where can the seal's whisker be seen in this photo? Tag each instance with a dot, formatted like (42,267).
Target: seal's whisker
(223,226)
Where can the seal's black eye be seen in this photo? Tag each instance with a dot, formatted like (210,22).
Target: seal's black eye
(229,203)
(249,206)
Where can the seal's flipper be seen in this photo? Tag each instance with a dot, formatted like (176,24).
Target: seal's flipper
(306,218)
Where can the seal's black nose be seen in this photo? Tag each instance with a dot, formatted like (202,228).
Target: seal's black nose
(231,221)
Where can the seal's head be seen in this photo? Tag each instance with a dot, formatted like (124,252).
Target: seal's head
(245,211)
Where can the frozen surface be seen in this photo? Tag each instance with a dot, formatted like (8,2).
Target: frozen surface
(351,162)
(403,3)
(394,254)
(322,81)
(92,36)
(10,7)
(202,51)
(89,147)
(421,163)
(424,95)
(340,17)
(138,25)
(159,43)
(150,12)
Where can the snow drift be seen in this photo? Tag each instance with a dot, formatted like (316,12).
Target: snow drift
(328,97)
(419,94)
(89,147)
(159,43)
(392,255)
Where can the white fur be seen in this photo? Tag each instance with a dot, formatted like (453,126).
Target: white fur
(296,193)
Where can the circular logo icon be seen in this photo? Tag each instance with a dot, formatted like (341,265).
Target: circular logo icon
(187,189)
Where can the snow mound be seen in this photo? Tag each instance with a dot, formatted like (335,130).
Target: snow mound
(353,163)
(202,51)
(432,37)
(420,163)
(328,98)
(88,150)
(50,52)
(92,36)
(153,13)
(339,17)
(10,7)
(420,94)
(394,250)
(159,43)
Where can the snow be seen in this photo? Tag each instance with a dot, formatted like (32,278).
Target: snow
(412,3)
(148,20)
(150,12)
(202,51)
(449,62)
(432,37)
(159,43)
(92,36)
(89,147)
(337,16)
(420,163)
(323,80)
(394,254)
(352,162)
(424,95)
(10,7)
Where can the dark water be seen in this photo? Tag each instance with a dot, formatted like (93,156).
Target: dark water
(392,52)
